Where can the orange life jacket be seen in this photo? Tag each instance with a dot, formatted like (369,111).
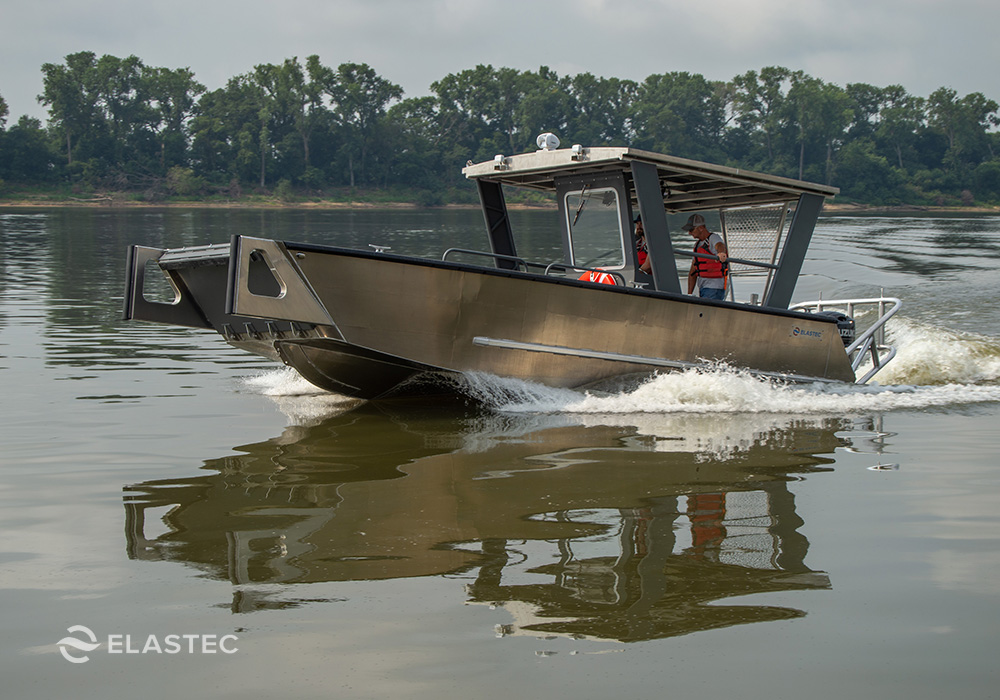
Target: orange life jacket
(709,267)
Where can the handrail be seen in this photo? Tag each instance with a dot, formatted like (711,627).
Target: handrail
(872,341)
(729,259)
(495,256)
(520,261)
(566,266)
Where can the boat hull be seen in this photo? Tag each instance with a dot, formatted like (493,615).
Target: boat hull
(390,319)
(434,315)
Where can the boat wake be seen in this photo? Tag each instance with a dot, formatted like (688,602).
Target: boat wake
(931,355)
(301,402)
(933,367)
(725,391)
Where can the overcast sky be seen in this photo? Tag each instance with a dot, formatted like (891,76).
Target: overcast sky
(920,44)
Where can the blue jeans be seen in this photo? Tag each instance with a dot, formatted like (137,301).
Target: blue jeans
(712,293)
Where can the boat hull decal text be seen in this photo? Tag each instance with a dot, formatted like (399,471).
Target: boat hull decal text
(803,333)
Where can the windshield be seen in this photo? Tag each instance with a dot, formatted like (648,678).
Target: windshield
(595,238)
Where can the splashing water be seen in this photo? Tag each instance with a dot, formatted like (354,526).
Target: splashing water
(933,367)
(935,356)
(303,403)
(724,391)
(281,382)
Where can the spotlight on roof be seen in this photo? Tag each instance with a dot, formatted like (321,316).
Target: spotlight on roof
(547,141)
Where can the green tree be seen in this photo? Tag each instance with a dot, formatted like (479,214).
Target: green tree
(292,123)
(964,123)
(600,111)
(901,116)
(71,93)
(125,105)
(173,95)
(294,99)
(28,153)
(312,114)
(227,132)
(986,178)
(277,92)
(264,113)
(867,175)
(360,99)
(866,106)
(210,134)
(118,114)
(422,149)
(759,107)
(681,114)
(480,109)
(820,113)
(545,105)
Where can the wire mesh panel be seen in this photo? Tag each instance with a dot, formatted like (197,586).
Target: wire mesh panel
(753,233)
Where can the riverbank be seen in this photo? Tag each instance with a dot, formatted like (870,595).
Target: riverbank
(121,202)
(256,204)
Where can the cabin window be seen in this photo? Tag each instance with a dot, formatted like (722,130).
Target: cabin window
(594,224)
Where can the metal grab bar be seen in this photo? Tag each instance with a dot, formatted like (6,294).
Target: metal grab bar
(527,265)
(564,267)
(729,259)
(495,256)
(872,341)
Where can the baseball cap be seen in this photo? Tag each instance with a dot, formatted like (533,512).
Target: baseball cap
(694,221)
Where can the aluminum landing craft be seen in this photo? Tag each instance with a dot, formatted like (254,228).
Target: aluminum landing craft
(371,324)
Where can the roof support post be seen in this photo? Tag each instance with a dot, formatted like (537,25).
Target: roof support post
(793,252)
(497,222)
(654,223)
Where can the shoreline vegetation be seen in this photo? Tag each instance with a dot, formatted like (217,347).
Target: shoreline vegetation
(125,201)
(304,134)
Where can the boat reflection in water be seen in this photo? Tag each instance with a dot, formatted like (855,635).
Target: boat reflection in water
(626,528)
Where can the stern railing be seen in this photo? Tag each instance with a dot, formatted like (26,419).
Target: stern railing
(871,343)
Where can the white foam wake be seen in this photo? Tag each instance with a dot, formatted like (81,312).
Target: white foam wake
(933,367)
(302,402)
(723,391)
(935,356)
(284,381)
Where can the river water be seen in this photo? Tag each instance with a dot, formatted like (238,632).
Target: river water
(194,521)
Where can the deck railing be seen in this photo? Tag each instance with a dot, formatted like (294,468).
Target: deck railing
(871,343)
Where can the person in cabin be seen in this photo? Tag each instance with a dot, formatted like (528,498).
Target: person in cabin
(710,275)
(642,252)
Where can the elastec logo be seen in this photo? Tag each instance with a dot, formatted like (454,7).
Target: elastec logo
(803,333)
(77,644)
(76,650)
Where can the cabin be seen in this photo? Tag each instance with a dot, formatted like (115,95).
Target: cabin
(766,221)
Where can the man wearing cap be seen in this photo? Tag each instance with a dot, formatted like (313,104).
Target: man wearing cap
(709,274)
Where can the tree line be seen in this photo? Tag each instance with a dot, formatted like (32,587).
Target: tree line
(306,129)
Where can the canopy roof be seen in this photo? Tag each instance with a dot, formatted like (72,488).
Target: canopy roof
(687,185)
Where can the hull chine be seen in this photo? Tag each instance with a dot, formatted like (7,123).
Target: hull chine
(348,369)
